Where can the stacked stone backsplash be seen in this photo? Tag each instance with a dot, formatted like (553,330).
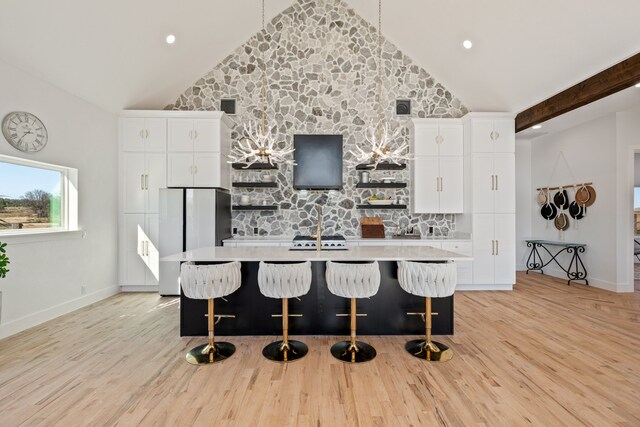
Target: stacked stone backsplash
(321,70)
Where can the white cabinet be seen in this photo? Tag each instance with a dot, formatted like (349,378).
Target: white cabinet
(139,256)
(494,183)
(157,148)
(494,249)
(144,174)
(197,153)
(438,166)
(494,135)
(144,134)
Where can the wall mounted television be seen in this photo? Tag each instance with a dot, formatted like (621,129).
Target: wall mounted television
(318,162)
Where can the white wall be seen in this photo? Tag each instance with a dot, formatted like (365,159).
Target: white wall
(48,274)
(591,153)
(523,202)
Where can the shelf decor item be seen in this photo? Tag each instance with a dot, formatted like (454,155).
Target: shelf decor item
(257,142)
(381,145)
(4,261)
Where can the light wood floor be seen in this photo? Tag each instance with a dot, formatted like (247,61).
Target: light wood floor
(545,354)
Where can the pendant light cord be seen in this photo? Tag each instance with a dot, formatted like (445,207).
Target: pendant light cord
(264,72)
(379,70)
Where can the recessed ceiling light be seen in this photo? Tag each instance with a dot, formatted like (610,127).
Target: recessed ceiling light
(171,39)
(536,127)
(638,85)
(467,44)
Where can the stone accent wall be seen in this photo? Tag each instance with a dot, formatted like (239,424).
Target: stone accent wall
(320,60)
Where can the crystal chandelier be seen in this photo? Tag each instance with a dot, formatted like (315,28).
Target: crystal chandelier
(257,143)
(381,138)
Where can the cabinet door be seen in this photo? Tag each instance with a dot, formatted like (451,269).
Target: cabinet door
(180,170)
(505,259)
(426,140)
(504,167)
(152,254)
(133,265)
(452,140)
(483,183)
(483,249)
(156,178)
(206,169)
(206,135)
(132,134)
(181,135)
(134,194)
(155,135)
(451,184)
(426,197)
(481,136)
(506,136)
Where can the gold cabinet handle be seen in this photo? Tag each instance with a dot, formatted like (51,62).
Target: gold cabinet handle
(497,248)
(141,133)
(441,185)
(493,247)
(496,182)
(493,182)
(195,134)
(142,182)
(146,182)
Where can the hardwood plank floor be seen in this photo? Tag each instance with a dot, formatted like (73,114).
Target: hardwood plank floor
(545,354)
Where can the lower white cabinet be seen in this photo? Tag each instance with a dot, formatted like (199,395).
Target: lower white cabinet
(494,249)
(139,253)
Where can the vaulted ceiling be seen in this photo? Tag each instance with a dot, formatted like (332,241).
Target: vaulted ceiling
(113,54)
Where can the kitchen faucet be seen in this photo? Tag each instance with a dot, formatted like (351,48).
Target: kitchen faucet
(319,229)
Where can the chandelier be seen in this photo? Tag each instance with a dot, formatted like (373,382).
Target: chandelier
(381,145)
(257,143)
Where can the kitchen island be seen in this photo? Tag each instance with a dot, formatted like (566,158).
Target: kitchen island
(386,311)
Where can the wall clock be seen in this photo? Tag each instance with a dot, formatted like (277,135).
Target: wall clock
(24,131)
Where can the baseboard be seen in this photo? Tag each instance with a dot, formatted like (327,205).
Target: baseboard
(473,287)
(35,319)
(139,288)
(593,281)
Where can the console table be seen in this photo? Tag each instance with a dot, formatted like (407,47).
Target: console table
(575,270)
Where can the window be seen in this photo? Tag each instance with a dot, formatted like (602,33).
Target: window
(36,196)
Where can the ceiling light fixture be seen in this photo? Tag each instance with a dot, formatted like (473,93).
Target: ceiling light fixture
(382,147)
(536,127)
(171,39)
(637,85)
(467,44)
(257,143)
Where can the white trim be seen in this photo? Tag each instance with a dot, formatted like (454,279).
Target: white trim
(594,282)
(472,287)
(41,235)
(35,319)
(139,288)
(168,114)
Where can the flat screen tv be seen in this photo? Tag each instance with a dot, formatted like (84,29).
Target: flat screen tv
(318,162)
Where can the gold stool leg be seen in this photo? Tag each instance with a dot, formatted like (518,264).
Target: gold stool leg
(285,350)
(353,351)
(427,349)
(212,351)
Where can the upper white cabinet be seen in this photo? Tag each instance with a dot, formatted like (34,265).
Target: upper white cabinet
(438,166)
(493,135)
(144,134)
(198,150)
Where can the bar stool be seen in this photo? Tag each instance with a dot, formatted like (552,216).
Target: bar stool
(209,282)
(353,281)
(284,281)
(428,280)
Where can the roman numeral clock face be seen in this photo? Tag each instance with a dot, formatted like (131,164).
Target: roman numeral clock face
(24,131)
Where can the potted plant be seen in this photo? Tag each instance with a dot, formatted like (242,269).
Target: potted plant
(4,260)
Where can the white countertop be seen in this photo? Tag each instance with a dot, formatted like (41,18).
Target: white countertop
(359,253)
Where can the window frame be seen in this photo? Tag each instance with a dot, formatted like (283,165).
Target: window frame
(68,197)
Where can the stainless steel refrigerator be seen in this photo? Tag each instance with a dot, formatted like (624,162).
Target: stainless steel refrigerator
(190,218)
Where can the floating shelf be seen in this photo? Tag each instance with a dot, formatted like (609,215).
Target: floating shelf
(382,167)
(255,184)
(255,166)
(255,208)
(368,206)
(381,185)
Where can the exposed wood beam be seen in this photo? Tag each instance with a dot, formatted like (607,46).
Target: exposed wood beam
(614,79)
